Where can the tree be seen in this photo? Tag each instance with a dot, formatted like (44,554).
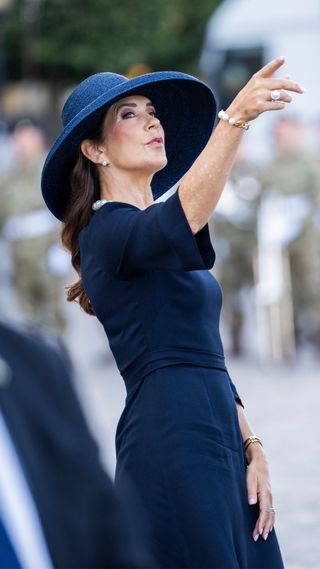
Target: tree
(66,40)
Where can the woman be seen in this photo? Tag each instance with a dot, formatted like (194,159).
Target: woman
(204,497)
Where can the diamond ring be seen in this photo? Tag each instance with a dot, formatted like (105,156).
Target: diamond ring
(275,95)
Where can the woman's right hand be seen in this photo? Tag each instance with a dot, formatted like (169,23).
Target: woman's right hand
(255,97)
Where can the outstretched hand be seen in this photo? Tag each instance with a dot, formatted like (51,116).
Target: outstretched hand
(255,97)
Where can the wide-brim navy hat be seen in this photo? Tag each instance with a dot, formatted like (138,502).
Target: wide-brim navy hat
(185,106)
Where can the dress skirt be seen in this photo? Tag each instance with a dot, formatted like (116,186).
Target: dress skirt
(180,457)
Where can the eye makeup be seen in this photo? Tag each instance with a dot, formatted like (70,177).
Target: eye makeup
(125,112)
(134,105)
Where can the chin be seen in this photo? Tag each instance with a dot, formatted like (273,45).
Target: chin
(159,165)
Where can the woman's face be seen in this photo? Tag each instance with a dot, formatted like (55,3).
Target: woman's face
(134,137)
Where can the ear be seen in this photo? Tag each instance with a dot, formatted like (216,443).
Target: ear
(93,151)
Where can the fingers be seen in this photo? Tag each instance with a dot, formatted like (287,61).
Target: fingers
(271,67)
(264,525)
(252,486)
(255,97)
(268,104)
(284,83)
(259,490)
(281,85)
(273,105)
(284,97)
(266,517)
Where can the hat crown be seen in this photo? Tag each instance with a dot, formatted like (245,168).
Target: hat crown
(88,91)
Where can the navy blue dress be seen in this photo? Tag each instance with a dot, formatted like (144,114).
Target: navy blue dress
(178,441)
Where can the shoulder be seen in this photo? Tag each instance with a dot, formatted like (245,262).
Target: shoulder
(107,218)
(113,222)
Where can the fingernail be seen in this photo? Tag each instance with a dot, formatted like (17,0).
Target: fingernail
(303,89)
(252,500)
(281,57)
(260,531)
(256,537)
(265,536)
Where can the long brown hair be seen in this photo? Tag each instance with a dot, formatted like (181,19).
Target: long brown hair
(84,190)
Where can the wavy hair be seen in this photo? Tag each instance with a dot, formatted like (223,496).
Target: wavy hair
(84,190)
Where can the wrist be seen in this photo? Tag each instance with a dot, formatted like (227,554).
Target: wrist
(253,446)
(254,452)
(233,121)
(238,113)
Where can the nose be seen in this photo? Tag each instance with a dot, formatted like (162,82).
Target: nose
(152,122)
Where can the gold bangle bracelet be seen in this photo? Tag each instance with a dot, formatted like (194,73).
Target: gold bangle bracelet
(251,439)
(241,124)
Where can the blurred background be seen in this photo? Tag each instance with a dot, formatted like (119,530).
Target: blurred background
(265,229)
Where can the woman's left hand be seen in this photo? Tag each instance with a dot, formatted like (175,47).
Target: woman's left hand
(259,490)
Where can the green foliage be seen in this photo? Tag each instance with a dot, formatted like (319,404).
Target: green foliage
(69,39)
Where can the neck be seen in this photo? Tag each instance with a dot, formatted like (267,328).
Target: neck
(126,187)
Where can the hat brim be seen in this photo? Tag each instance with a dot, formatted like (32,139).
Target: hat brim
(186,108)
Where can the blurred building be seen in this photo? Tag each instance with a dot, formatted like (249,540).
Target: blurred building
(243,35)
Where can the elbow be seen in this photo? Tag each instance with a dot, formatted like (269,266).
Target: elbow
(196,226)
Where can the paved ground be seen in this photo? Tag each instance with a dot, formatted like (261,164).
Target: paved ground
(282,405)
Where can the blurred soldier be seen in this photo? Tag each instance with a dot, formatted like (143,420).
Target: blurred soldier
(37,261)
(5,149)
(233,225)
(291,175)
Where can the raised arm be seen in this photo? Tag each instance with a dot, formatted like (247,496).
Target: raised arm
(202,185)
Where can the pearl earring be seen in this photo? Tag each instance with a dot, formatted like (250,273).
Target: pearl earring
(104,163)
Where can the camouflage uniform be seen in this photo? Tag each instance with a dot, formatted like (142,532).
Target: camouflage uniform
(294,176)
(31,231)
(235,242)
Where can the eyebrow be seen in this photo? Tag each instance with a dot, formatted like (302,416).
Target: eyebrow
(132,105)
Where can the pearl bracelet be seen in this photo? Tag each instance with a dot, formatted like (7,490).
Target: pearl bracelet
(225,117)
